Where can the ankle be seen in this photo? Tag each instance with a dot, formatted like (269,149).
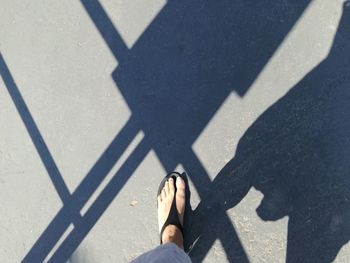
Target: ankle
(172,234)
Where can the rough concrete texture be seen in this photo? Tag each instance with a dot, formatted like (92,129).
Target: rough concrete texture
(100,99)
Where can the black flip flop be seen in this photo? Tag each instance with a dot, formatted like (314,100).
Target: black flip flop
(173,217)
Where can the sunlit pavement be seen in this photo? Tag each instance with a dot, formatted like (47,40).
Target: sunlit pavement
(61,108)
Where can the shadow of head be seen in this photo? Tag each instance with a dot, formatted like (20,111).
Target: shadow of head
(273,206)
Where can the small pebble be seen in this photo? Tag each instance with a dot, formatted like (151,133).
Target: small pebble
(133,203)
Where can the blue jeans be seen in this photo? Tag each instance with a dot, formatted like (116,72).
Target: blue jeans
(169,253)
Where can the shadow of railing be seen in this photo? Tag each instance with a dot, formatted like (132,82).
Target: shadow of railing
(34,132)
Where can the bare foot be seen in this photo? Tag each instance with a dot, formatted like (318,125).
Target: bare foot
(165,199)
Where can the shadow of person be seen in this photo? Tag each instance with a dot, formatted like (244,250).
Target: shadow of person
(297,153)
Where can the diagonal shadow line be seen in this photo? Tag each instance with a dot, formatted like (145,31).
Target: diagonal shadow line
(91,182)
(102,202)
(83,192)
(234,252)
(34,132)
(106,29)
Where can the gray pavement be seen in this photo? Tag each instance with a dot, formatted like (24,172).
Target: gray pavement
(100,99)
